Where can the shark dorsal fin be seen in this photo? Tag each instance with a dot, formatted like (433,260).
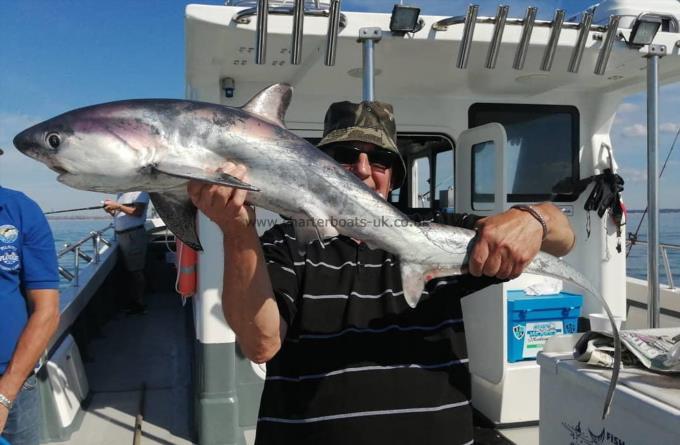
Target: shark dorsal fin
(271,103)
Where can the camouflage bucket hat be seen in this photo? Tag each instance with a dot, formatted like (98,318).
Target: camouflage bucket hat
(371,122)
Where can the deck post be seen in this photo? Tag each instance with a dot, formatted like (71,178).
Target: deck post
(368,37)
(654,53)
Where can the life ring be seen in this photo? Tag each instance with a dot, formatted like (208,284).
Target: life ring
(187,259)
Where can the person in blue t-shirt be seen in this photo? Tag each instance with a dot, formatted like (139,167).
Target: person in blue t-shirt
(29,312)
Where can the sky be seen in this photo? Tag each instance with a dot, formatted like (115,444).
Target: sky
(57,55)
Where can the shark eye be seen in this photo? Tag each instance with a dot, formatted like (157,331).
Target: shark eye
(53,139)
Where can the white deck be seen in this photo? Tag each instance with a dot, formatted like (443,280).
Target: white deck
(134,350)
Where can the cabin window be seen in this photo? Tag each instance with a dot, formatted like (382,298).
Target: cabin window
(543,145)
(443,187)
(420,177)
(429,159)
(484,176)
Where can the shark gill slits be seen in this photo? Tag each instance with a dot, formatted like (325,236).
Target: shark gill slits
(53,139)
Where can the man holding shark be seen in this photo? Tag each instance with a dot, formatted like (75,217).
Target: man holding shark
(348,360)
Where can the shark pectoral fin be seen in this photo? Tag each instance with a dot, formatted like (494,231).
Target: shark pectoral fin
(197,174)
(179,215)
(310,229)
(305,235)
(413,282)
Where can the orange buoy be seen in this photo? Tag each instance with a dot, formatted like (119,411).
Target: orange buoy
(187,259)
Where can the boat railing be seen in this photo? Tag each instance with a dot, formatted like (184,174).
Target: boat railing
(608,33)
(664,249)
(87,249)
(243,17)
(299,8)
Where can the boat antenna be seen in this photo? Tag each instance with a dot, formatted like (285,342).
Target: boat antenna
(632,237)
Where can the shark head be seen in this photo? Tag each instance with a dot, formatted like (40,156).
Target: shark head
(98,148)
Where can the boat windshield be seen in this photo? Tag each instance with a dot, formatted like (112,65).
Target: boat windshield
(542,150)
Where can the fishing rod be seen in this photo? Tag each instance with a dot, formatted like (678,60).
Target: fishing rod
(100,206)
(632,237)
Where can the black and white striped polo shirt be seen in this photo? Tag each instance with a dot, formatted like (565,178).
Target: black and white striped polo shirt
(358,365)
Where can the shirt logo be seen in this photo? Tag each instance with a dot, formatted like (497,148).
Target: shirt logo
(9,258)
(8,233)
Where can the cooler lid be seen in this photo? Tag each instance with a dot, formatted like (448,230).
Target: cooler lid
(519,300)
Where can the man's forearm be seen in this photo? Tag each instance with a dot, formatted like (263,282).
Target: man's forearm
(560,238)
(32,343)
(247,297)
(132,209)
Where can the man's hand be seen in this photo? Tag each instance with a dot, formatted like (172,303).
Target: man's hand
(225,206)
(506,243)
(111,207)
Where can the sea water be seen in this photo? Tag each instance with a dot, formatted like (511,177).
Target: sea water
(669,233)
(70,231)
(73,230)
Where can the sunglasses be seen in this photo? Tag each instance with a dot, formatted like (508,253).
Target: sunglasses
(349,154)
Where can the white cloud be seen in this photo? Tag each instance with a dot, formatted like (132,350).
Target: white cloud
(633,175)
(635,130)
(670,93)
(627,107)
(669,127)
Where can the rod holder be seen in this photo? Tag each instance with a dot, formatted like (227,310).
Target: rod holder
(298,32)
(332,35)
(76,267)
(468,32)
(85,256)
(96,241)
(261,32)
(606,50)
(66,274)
(492,55)
(527,30)
(549,55)
(577,54)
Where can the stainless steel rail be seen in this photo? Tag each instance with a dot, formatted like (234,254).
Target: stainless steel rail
(444,24)
(97,240)
(468,32)
(586,23)
(336,21)
(244,16)
(664,249)
(605,51)
(261,32)
(556,25)
(556,30)
(527,30)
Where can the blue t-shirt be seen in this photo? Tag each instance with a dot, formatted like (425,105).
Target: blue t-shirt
(28,260)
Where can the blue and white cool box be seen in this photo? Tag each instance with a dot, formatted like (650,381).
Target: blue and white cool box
(532,319)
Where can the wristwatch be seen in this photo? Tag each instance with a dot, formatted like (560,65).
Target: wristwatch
(4,401)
